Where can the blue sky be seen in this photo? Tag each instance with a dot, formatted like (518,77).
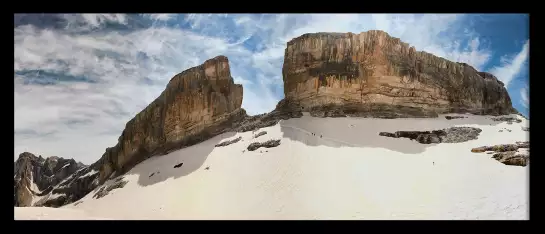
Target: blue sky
(80,78)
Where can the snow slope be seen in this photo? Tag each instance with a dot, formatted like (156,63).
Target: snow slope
(46,213)
(345,170)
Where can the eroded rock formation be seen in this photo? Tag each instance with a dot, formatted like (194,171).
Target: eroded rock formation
(449,135)
(517,154)
(266,144)
(35,177)
(375,75)
(197,104)
(228,142)
(329,74)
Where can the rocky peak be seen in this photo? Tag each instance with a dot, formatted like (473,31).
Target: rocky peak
(35,175)
(372,73)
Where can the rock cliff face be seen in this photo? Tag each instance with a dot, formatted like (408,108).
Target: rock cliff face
(35,177)
(373,74)
(329,74)
(197,104)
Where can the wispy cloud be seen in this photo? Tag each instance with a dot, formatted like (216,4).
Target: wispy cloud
(110,75)
(511,66)
(162,17)
(524,97)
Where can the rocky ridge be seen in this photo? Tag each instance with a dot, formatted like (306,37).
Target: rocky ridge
(327,74)
(34,177)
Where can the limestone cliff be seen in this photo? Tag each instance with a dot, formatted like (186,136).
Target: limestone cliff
(329,74)
(198,103)
(374,74)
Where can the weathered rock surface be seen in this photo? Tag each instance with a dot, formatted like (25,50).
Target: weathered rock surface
(266,144)
(502,148)
(107,188)
(228,142)
(508,119)
(284,110)
(328,74)
(196,105)
(372,74)
(449,117)
(260,134)
(449,135)
(509,154)
(35,177)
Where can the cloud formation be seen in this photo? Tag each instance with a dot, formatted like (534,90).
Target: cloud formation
(77,83)
(524,97)
(511,66)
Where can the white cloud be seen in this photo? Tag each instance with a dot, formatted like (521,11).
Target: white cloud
(512,65)
(524,101)
(127,70)
(162,17)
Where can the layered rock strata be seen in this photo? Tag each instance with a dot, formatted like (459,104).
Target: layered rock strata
(197,104)
(375,75)
(328,74)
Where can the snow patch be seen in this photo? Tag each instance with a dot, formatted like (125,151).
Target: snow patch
(90,173)
(328,168)
(65,165)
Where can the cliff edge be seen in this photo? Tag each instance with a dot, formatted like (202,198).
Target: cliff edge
(197,104)
(327,74)
(372,74)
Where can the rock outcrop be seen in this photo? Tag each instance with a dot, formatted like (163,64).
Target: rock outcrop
(449,135)
(372,74)
(509,154)
(266,144)
(35,177)
(197,104)
(228,142)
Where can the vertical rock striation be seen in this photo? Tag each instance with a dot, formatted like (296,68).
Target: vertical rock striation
(329,74)
(197,104)
(373,74)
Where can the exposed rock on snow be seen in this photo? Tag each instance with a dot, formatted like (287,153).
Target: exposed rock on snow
(260,134)
(509,154)
(508,119)
(449,117)
(228,142)
(105,189)
(266,144)
(449,135)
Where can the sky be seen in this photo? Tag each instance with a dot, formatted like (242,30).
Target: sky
(78,78)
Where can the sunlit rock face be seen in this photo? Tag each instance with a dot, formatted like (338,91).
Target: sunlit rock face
(198,103)
(374,74)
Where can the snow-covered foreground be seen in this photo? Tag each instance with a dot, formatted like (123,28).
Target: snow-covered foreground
(45,213)
(345,170)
